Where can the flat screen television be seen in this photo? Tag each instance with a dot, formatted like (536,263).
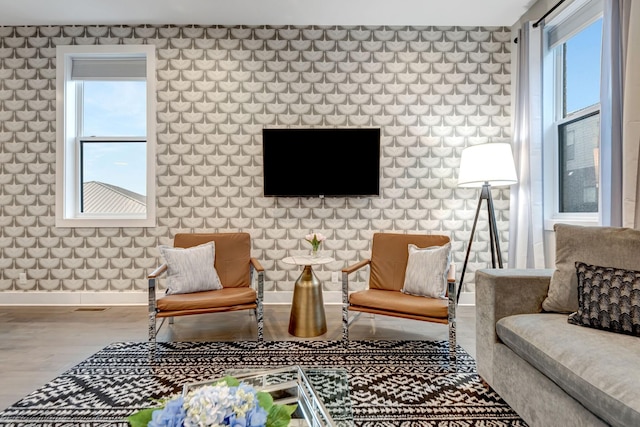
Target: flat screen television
(332,162)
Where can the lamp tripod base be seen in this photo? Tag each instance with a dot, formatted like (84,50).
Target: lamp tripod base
(496,254)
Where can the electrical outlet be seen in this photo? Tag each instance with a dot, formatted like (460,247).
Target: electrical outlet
(23,278)
(335,277)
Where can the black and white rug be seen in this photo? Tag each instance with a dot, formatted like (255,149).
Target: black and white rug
(390,383)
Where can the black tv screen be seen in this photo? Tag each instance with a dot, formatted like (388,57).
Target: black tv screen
(321,162)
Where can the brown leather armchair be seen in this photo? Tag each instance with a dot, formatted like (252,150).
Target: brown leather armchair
(389,256)
(236,270)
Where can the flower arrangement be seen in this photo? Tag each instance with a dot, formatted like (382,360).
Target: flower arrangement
(315,239)
(229,402)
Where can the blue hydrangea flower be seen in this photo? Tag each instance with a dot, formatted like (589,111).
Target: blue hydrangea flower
(222,405)
(234,421)
(172,415)
(257,417)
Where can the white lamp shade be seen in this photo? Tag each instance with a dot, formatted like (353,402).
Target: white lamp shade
(487,163)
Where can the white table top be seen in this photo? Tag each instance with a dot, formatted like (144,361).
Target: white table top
(307,260)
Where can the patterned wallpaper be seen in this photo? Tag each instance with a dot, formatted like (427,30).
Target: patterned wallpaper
(431,90)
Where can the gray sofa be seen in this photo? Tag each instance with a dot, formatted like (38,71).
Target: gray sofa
(553,373)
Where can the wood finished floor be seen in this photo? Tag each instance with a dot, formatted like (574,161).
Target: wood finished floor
(39,343)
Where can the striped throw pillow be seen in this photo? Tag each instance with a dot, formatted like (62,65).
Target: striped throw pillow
(426,273)
(191,269)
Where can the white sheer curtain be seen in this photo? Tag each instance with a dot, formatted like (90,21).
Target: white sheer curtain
(526,227)
(630,28)
(611,98)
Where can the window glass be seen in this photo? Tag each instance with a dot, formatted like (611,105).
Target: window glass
(579,154)
(571,113)
(582,69)
(113,176)
(113,172)
(114,108)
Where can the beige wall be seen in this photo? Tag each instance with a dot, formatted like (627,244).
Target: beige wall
(431,90)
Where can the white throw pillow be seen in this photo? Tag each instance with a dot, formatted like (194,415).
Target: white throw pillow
(191,269)
(427,269)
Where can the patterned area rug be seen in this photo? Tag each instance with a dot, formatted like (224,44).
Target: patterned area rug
(390,383)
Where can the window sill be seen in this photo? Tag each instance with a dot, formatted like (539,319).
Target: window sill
(132,222)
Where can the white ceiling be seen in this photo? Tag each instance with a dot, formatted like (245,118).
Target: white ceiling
(263,12)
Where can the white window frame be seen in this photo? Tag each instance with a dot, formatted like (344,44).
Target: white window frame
(568,22)
(68,98)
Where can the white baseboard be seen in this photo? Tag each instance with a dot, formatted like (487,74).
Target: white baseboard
(73,298)
(140,298)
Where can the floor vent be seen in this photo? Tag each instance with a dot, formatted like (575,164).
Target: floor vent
(91,309)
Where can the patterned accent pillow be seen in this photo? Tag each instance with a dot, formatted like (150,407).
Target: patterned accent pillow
(608,298)
(426,273)
(191,269)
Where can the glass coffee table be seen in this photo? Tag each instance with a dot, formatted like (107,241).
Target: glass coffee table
(322,394)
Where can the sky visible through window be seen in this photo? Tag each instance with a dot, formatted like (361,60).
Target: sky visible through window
(579,136)
(583,68)
(115,108)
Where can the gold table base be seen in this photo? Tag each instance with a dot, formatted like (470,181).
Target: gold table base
(307,310)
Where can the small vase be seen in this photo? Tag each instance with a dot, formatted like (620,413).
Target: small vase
(314,253)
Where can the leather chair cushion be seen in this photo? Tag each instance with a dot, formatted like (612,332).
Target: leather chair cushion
(389,256)
(397,302)
(233,254)
(219,299)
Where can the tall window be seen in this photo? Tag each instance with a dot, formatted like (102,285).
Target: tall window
(572,112)
(106,136)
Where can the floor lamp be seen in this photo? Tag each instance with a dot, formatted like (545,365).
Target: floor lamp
(483,166)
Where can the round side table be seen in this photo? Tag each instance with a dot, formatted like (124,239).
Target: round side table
(307,317)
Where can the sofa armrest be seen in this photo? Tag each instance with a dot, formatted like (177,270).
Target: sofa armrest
(501,293)
(505,292)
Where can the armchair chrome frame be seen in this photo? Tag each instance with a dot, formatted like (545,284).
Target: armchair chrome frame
(451,296)
(256,269)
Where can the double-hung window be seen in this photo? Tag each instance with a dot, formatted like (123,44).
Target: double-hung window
(105,136)
(571,105)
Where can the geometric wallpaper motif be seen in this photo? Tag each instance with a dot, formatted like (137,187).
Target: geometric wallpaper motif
(431,90)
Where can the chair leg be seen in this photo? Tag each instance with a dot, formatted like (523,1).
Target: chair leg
(345,322)
(453,359)
(260,322)
(152,318)
(345,307)
(152,333)
(259,311)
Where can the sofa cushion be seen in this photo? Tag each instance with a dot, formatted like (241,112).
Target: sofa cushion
(608,298)
(595,367)
(608,246)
